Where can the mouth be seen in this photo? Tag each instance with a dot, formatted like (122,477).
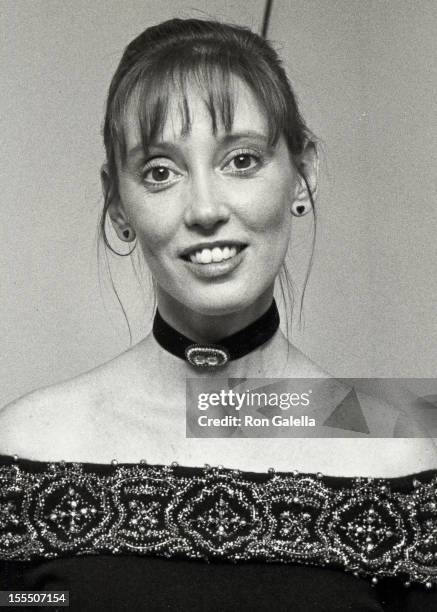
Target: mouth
(213,253)
(216,260)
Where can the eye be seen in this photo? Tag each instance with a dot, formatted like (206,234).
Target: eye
(156,173)
(243,162)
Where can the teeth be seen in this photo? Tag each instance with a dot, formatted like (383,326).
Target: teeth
(205,256)
(215,255)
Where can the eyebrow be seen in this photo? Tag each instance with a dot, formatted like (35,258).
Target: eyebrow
(227,139)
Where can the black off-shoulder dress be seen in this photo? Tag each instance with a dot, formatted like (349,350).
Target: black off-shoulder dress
(151,537)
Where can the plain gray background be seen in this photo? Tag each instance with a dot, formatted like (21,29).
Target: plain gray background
(365,72)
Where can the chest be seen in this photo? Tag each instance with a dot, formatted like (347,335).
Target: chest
(158,433)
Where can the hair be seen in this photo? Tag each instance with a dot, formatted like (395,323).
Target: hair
(172,56)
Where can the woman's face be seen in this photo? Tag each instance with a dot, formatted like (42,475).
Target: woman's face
(211,212)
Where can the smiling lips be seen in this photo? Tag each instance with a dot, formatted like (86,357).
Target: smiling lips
(215,259)
(215,253)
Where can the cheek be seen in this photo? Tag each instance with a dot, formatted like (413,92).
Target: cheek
(267,208)
(153,235)
(150,217)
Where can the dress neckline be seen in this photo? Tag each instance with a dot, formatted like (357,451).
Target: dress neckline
(405,482)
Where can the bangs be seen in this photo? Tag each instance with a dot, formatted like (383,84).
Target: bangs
(164,85)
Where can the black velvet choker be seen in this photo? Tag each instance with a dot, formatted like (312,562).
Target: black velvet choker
(218,353)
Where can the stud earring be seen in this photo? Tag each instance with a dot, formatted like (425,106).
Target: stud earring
(127,233)
(299,210)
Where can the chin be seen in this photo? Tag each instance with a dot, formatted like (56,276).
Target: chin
(218,301)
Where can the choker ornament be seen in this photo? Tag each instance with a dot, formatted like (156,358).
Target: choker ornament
(217,354)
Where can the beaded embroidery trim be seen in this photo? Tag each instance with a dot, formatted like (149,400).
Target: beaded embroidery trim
(365,528)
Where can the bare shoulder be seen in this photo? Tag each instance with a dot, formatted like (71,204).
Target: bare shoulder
(389,438)
(299,365)
(39,422)
(58,420)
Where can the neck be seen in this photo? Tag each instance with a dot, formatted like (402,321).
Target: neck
(254,350)
(201,327)
(268,361)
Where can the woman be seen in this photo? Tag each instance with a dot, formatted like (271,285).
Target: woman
(209,164)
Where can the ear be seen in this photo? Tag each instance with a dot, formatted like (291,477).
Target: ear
(308,165)
(117,214)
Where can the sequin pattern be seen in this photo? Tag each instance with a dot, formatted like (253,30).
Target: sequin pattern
(215,513)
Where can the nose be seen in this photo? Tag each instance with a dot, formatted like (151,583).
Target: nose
(207,204)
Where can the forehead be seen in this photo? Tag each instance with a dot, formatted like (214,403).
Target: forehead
(248,116)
